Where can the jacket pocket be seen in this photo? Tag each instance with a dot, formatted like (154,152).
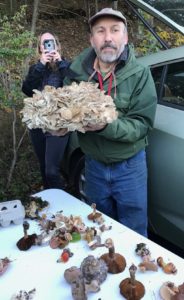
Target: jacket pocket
(123,103)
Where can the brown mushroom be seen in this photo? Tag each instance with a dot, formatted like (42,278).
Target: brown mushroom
(147,263)
(168,268)
(72,274)
(116,262)
(94,215)
(130,288)
(60,239)
(180,294)
(26,241)
(4,263)
(168,290)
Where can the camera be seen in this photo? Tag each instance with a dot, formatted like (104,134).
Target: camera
(49,45)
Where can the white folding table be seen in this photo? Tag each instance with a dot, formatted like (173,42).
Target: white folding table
(37,267)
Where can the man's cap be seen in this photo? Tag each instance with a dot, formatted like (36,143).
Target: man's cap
(107,12)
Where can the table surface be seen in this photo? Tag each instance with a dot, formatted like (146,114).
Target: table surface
(37,267)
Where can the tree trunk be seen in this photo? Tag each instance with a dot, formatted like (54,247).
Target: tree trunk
(33,27)
(96,6)
(87,8)
(35,15)
(115,5)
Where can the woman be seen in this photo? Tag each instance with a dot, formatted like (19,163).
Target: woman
(49,70)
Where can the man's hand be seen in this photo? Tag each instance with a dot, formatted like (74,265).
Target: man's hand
(60,132)
(94,127)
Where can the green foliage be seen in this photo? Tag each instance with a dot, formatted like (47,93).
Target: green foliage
(14,49)
(146,43)
(173,39)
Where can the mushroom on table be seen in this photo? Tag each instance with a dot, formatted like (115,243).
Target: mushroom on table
(116,262)
(130,288)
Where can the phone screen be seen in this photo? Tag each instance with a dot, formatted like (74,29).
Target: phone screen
(49,45)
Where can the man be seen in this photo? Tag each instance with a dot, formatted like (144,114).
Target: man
(115,162)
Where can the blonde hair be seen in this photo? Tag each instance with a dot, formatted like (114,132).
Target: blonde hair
(38,51)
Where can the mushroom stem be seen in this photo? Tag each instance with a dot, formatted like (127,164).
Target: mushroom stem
(111,252)
(94,208)
(168,268)
(132,271)
(26,227)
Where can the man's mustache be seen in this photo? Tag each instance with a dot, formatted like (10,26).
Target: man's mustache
(108,45)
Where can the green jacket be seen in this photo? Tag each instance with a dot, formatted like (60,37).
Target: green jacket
(135,102)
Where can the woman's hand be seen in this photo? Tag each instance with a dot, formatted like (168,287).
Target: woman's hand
(47,57)
(56,56)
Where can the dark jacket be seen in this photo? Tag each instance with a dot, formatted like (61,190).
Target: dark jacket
(135,102)
(40,75)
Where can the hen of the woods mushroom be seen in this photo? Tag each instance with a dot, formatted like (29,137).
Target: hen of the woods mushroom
(72,107)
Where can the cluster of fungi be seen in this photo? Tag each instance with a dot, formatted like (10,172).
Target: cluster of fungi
(72,107)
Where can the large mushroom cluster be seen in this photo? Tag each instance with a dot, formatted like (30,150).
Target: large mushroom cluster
(72,107)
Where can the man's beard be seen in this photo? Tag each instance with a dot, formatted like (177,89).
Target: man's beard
(109,57)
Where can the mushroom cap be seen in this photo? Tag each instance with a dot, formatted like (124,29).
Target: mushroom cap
(168,290)
(180,294)
(94,269)
(71,274)
(26,243)
(130,291)
(93,216)
(116,264)
(4,263)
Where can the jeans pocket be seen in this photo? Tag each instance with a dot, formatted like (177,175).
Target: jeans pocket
(137,159)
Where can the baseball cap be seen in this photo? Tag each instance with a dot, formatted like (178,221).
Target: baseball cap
(107,12)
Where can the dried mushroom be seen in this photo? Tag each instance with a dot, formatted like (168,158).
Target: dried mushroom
(34,206)
(168,290)
(147,262)
(130,288)
(71,274)
(168,268)
(87,278)
(94,215)
(116,262)
(180,294)
(72,107)
(94,269)
(26,241)
(23,295)
(4,263)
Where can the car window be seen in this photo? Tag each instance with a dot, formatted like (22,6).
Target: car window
(169,84)
(172,9)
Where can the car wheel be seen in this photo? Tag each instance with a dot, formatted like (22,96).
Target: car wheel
(79,179)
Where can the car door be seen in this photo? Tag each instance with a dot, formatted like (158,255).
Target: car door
(166,154)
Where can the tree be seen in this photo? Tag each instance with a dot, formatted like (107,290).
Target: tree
(14,49)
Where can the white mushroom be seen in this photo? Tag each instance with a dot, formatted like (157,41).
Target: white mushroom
(72,107)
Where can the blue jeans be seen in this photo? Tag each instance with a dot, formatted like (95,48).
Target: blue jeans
(119,190)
